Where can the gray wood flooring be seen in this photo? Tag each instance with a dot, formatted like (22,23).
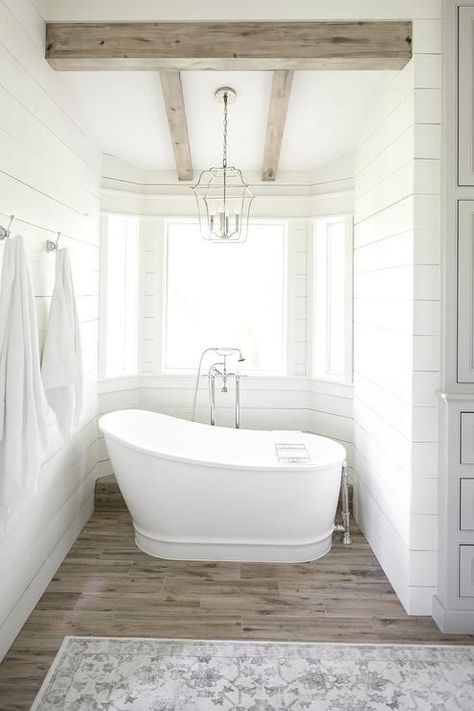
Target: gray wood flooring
(106,586)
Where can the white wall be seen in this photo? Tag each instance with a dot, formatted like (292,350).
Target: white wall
(396,337)
(49,176)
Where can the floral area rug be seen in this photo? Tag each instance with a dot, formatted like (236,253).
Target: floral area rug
(118,674)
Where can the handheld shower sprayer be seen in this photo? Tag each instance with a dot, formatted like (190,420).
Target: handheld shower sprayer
(225,352)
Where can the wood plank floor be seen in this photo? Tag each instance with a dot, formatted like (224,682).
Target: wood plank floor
(106,586)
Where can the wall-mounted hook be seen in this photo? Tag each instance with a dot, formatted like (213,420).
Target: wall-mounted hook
(5,231)
(52,246)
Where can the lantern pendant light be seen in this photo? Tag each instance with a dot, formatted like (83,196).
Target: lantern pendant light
(223,197)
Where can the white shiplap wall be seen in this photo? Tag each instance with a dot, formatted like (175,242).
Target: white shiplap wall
(49,176)
(396,312)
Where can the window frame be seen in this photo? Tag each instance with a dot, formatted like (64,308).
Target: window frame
(103,294)
(286,346)
(348,376)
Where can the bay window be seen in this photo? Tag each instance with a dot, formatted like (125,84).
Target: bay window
(228,295)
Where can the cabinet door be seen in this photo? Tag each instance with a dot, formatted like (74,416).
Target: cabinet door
(466,507)
(466,571)
(466,96)
(466,291)
(467,438)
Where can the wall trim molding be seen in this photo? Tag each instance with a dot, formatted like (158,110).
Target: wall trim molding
(328,188)
(452,621)
(279,204)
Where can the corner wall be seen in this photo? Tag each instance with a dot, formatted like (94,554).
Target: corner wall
(396,331)
(49,176)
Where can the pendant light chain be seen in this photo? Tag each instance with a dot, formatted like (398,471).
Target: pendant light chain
(224,166)
(224,152)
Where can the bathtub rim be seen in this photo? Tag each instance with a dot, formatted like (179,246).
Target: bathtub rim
(276,467)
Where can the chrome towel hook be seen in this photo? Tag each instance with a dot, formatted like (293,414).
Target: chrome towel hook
(52,246)
(5,231)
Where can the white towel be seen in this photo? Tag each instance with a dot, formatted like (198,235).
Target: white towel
(62,360)
(23,407)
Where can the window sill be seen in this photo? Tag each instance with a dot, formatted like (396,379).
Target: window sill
(331,387)
(249,382)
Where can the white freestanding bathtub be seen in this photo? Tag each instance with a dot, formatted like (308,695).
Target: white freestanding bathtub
(197,492)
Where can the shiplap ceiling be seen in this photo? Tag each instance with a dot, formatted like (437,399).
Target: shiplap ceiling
(125,112)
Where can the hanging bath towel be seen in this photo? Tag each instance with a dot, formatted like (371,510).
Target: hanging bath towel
(23,407)
(62,360)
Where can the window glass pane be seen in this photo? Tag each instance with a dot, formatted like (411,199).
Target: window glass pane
(122,295)
(226,295)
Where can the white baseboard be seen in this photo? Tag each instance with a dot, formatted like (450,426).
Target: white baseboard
(26,604)
(452,621)
(103,468)
(420,600)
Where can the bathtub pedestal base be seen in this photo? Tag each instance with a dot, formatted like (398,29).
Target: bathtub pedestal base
(233,552)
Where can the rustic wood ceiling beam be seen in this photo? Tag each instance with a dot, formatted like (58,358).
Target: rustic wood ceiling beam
(176,114)
(279,100)
(228,45)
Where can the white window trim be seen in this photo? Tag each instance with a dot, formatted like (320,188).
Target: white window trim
(103,282)
(156,226)
(103,261)
(349,300)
